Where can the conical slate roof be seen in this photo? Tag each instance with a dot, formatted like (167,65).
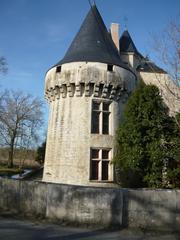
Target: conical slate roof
(149,66)
(92,43)
(127,44)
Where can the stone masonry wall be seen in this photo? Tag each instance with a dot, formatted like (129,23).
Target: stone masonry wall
(102,207)
(62,203)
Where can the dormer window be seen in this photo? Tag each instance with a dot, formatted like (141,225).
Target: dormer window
(109,68)
(58,69)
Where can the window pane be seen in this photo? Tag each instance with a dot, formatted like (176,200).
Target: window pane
(96,105)
(105,165)
(105,127)
(95,122)
(105,154)
(94,170)
(106,106)
(94,153)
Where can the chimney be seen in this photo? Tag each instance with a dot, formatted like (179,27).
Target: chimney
(115,34)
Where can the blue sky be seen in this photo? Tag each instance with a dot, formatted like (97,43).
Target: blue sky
(35,34)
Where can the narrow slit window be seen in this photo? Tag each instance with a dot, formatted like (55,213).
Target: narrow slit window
(58,69)
(110,68)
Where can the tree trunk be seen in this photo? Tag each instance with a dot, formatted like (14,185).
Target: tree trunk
(11,155)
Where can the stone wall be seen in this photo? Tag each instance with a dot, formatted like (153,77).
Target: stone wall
(102,207)
(152,209)
(62,203)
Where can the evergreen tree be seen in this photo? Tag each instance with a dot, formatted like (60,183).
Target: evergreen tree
(40,153)
(173,164)
(144,139)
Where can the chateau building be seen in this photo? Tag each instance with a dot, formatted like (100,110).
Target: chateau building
(86,91)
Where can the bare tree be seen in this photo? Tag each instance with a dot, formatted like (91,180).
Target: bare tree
(167,48)
(3,65)
(20,119)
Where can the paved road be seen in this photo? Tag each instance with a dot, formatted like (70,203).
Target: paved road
(13,229)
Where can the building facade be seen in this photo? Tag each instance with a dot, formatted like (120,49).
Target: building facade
(86,92)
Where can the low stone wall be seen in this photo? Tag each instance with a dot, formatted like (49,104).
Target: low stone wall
(103,207)
(73,204)
(152,209)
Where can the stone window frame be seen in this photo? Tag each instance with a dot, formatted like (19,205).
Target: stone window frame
(101,111)
(100,161)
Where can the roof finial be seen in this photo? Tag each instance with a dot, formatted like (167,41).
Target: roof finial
(91,3)
(125,22)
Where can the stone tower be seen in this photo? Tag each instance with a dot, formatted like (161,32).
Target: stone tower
(86,92)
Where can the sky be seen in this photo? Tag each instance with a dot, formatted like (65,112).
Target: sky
(35,34)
